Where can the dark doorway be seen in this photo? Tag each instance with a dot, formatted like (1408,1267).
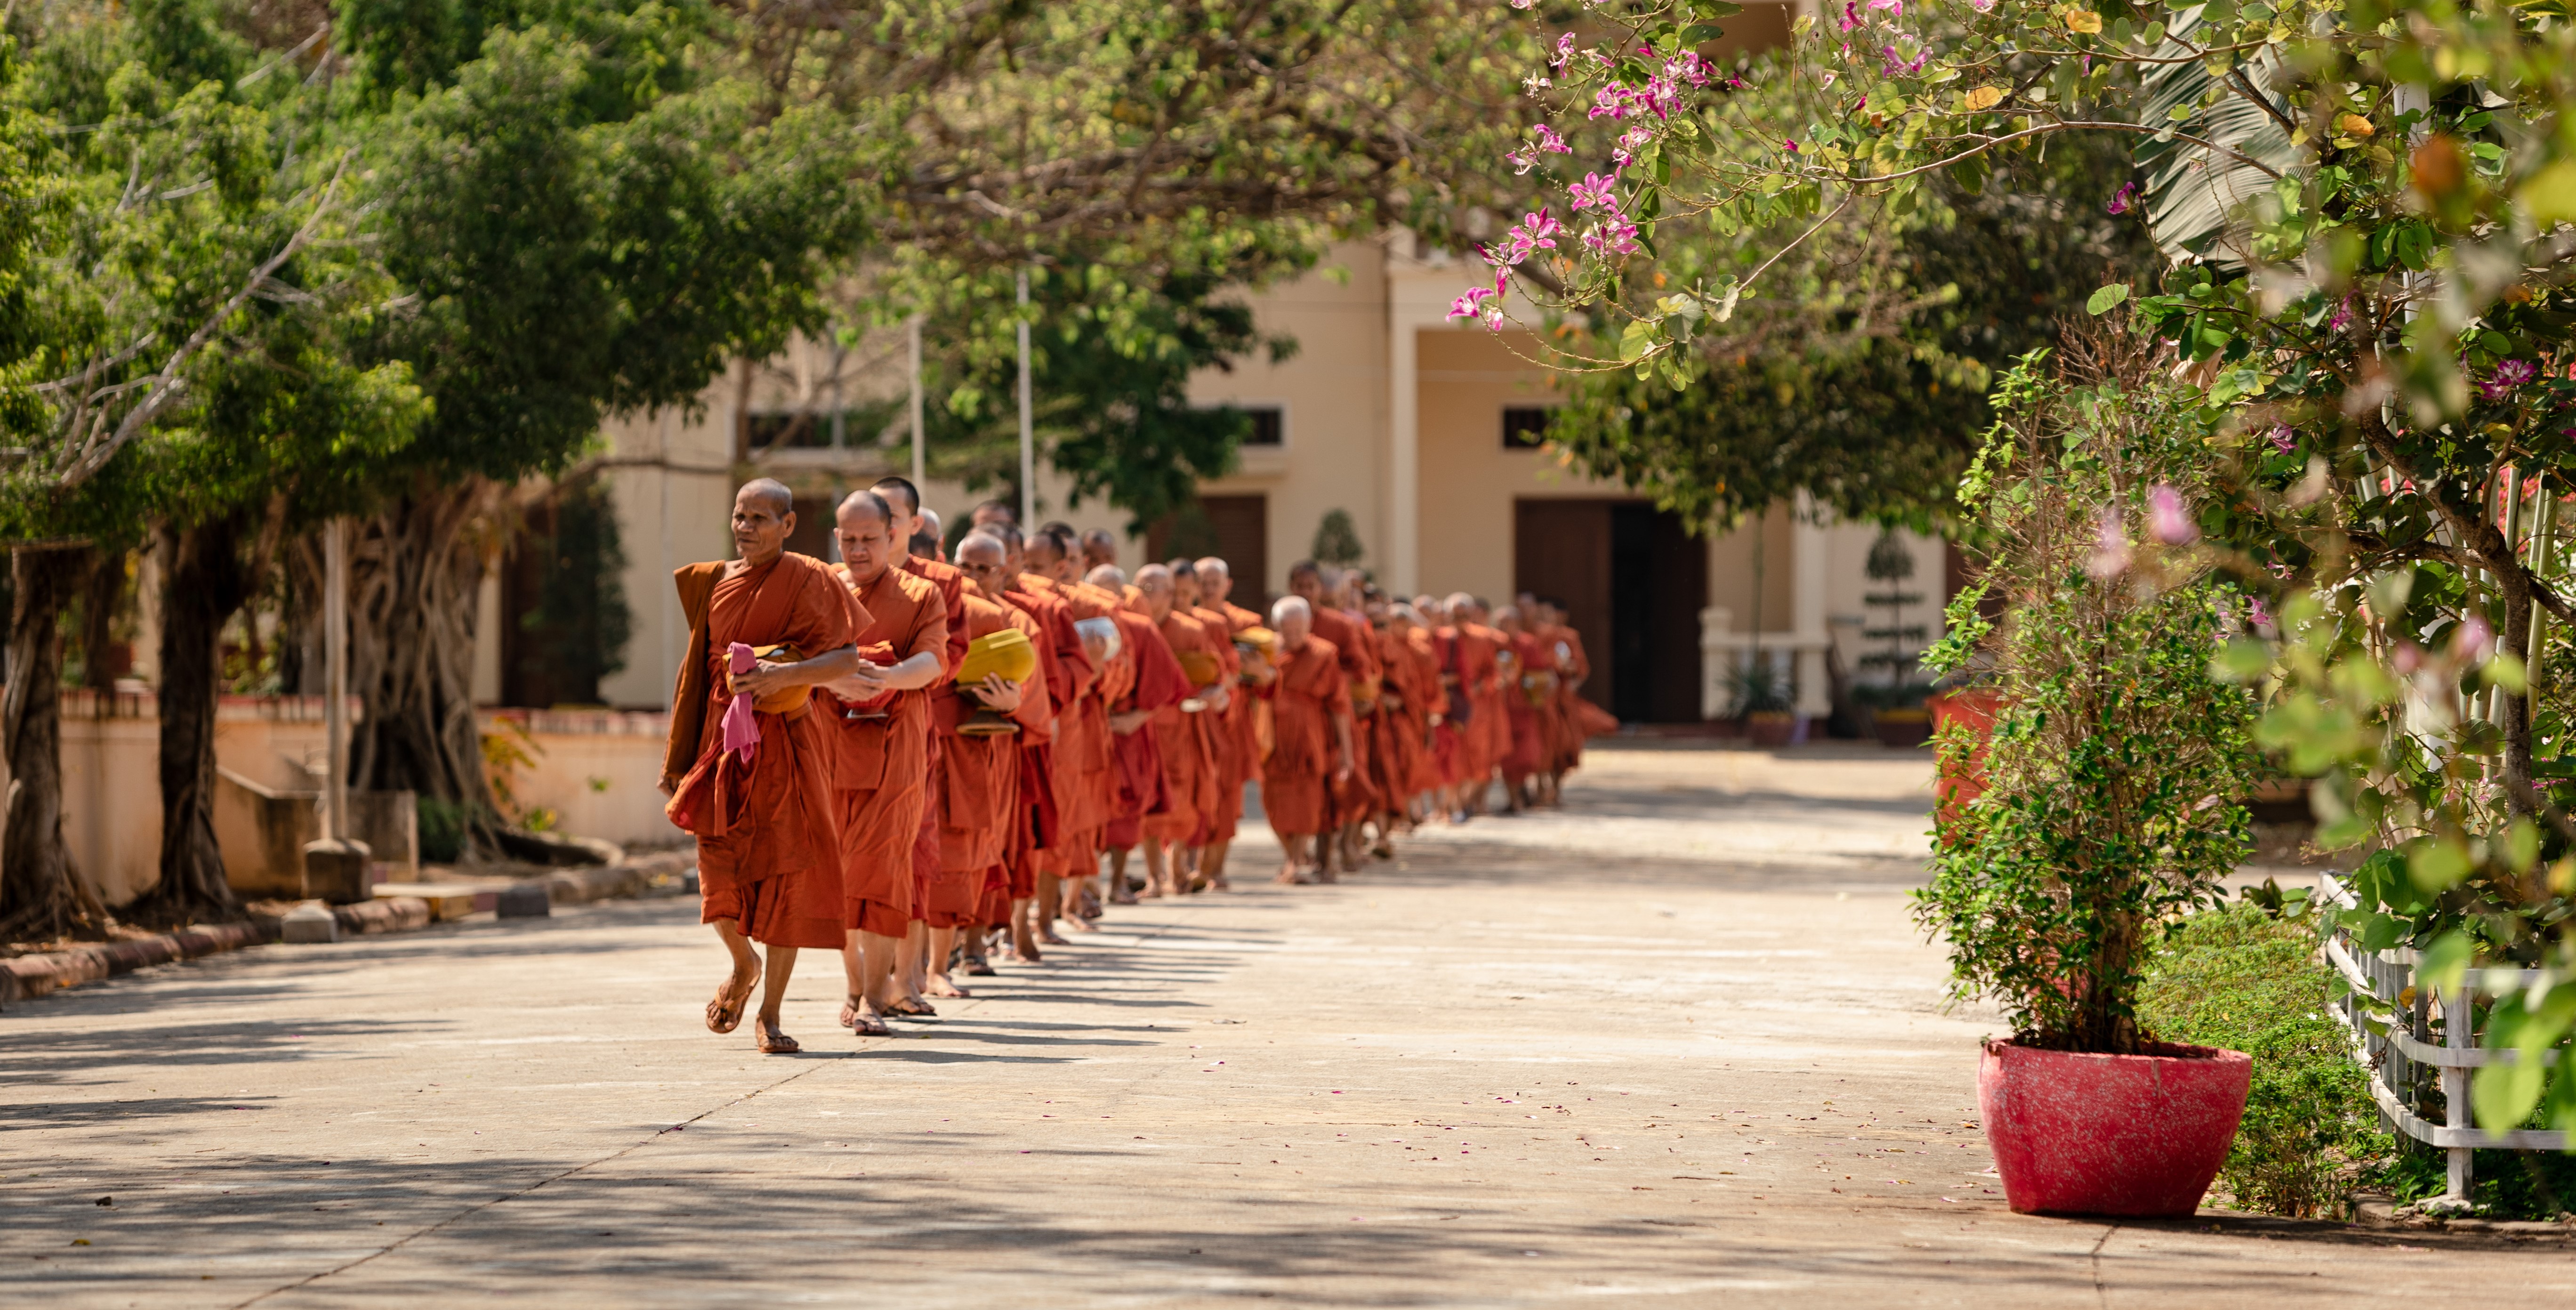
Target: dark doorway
(1235,529)
(1632,580)
(814,524)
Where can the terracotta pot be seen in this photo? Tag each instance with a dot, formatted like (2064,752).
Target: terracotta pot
(1902,729)
(1973,709)
(2134,1135)
(1768,728)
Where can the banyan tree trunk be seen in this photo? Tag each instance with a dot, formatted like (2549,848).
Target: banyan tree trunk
(41,895)
(414,573)
(205,581)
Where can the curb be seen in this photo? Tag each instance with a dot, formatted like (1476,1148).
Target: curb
(28,976)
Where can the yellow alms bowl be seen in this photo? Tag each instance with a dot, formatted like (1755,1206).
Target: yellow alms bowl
(1006,652)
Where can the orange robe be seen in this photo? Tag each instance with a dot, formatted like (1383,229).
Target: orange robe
(1353,798)
(1307,696)
(951,584)
(881,760)
(979,780)
(1526,751)
(1238,758)
(1157,682)
(1399,727)
(1086,761)
(1068,673)
(1187,740)
(1422,652)
(769,836)
(1488,730)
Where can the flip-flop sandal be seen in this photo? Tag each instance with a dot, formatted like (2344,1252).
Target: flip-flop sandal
(980,968)
(868,1025)
(723,1017)
(773,1042)
(908,1008)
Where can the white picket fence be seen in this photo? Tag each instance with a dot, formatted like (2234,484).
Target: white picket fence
(2399,1030)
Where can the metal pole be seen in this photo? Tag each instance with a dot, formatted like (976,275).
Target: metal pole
(1028,439)
(335,663)
(918,459)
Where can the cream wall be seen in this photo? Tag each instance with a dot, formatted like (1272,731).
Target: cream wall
(1334,394)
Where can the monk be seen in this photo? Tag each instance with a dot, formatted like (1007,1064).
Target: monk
(1574,667)
(1451,744)
(747,767)
(1084,780)
(1158,684)
(1099,550)
(1353,800)
(1186,736)
(1311,716)
(1529,684)
(1422,657)
(1401,731)
(1482,652)
(1241,728)
(1045,793)
(879,721)
(918,528)
(979,816)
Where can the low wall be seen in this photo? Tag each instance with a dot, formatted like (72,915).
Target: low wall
(598,771)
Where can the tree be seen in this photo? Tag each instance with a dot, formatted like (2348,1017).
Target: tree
(2367,211)
(1337,540)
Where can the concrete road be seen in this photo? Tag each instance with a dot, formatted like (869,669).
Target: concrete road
(1674,1045)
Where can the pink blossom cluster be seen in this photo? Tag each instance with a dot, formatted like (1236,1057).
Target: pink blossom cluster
(2508,376)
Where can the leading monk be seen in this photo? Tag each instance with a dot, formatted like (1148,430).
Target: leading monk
(747,767)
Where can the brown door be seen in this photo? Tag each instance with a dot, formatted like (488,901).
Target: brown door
(1632,580)
(1235,529)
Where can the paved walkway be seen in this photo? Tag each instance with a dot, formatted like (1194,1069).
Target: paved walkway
(1675,1045)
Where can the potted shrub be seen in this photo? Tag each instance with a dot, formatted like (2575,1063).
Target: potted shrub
(1763,700)
(1897,715)
(2111,777)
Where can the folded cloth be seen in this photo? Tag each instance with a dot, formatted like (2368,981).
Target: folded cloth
(1006,651)
(741,727)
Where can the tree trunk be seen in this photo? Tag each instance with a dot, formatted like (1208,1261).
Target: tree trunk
(206,581)
(41,896)
(105,586)
(415,572)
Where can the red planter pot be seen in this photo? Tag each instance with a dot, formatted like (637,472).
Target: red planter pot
(1770,730)
(2138,1135)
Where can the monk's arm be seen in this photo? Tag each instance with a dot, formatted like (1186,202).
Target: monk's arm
(1342,737)
(769,678)
(867,680)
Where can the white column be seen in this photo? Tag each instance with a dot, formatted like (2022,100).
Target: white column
(1807,601)
(1404,441)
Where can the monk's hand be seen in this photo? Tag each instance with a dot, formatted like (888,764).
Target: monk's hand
(763,679)
(998,693)
(860,683)
(669,786)
(1216,695)
(1343,773)
(1126,724)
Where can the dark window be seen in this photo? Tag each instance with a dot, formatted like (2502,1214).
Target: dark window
(1524,427)
(1269,426)
(788,431)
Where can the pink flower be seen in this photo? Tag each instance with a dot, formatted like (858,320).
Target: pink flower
(1470,304)
(2110,556)
(1614,235)
(2257,613)
(1982,6)
(2124,199)
(1791,144)
(1897,7)
(2473,639)
(1893,65)
(1850,18)
(2166,519)
(2342,316)
(1550,142)
(2280,438)
(1564,51)
(2508,375)
(1594,189)
(1523,4)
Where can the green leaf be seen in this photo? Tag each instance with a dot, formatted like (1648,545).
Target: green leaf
(2550,194)
(2505,1094)
(2102,301)
(1636,339)
(2446,961)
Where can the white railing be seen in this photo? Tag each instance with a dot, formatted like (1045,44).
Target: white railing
(2397,1027)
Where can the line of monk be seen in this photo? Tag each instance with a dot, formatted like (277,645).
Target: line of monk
(916,760)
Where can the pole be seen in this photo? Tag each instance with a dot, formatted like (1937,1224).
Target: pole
(335,663)
(1028,438)
(918,460)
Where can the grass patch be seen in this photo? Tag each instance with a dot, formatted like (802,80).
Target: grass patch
(2241,979)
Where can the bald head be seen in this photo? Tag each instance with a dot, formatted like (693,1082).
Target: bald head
(1292,618)
(764,513)
(925,534)
(865,528)
(1098,548)
(1155,581)
(986,563)
(1109,577)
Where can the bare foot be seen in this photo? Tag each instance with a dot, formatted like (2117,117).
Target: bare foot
(1079,924)
(943,989)
(1048,937)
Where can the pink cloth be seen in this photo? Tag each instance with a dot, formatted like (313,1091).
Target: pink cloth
(741,722)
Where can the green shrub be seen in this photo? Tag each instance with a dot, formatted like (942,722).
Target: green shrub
(2244,980)
(442,831)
